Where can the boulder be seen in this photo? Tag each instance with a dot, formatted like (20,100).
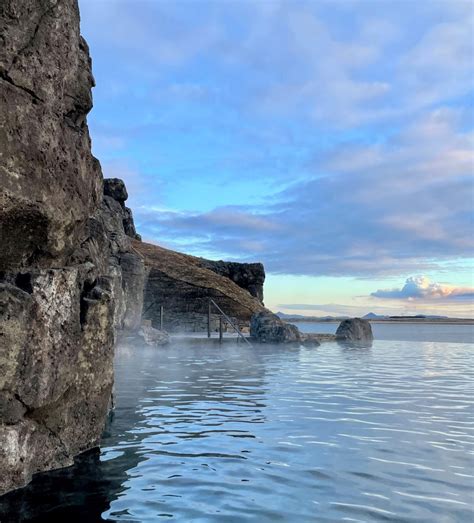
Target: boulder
(354,330)
(153,336)
(266,327)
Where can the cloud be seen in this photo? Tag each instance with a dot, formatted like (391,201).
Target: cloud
(421,288)
(399,207)
(322,138)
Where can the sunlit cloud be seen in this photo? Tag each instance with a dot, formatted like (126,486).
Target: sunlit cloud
(421,288)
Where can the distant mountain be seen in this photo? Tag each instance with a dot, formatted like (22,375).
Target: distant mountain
(421,317)
(373,316)
(284,316)
(301,317)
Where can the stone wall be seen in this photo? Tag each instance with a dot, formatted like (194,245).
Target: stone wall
(68,273)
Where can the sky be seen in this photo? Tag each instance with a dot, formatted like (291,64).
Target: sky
(330,140)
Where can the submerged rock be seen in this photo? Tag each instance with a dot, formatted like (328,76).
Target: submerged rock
(354,330)
(266,327)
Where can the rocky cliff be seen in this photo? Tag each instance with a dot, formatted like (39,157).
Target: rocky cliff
(72,268)
(183,284)
(68,273)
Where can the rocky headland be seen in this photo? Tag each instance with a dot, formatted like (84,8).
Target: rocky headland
(74,273)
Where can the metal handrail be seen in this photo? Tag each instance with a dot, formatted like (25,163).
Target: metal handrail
(230,322)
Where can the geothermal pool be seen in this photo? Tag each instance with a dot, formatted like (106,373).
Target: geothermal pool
(231,434)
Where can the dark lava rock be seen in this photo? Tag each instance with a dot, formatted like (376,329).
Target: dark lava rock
(354,330)
(182,286)
(68,275)
(115,188)
(129,224)
(266,327)
(50,182)
(249,276)
(115,194)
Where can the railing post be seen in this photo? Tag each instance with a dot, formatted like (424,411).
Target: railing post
(221,335)
(161,317)
(209,320)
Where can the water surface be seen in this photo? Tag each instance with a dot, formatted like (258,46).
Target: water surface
(271,434)
(404,331)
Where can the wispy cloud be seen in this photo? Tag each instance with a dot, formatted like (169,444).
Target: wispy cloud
(399,208)
(322,138)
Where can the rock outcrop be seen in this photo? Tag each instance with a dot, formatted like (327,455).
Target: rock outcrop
(266,327)
(115,188)
(68,274)
(249,276)
(182,285)
(354,330)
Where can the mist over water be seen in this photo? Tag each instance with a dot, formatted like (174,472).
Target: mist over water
(276,434)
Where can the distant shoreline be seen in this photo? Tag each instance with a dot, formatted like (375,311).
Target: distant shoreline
(453,321)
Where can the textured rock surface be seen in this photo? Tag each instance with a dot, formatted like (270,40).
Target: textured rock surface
(354,329)
(266,327)
(154,336)
(249,276)
(68,274)
(45,94)
(115,189)
(181,285)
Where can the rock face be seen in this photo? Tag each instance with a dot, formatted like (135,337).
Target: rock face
(115,188)
(183,286)
(354,330)
(45,94)
(68,274)
(249,276)
(266,327)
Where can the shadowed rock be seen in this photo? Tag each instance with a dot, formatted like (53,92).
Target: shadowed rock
(354,330)
(266,327)
(115,188)
(68,275)
(249,276)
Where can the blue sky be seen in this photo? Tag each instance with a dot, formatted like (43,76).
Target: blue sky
(331,140)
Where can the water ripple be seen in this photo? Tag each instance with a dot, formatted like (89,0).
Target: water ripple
(274,434)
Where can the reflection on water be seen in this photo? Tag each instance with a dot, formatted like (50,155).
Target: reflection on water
(275,434)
